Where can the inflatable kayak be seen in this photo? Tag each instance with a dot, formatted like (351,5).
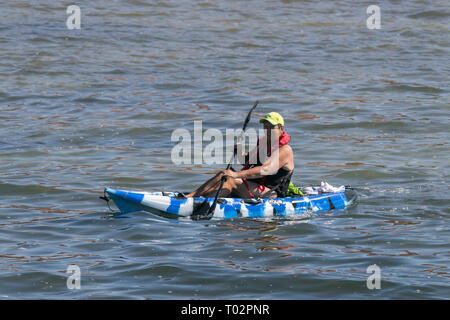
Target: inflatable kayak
(175,205)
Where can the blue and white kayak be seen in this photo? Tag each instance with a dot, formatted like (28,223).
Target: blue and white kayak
(171,204)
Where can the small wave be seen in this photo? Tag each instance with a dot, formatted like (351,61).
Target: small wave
(404,87)
(94,99)
(41,40)
(432,14)
(365,174)
(14,189)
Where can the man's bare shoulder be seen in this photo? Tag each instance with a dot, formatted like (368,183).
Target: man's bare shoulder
(286,149)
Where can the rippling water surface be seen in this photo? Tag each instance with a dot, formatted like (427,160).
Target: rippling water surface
(95,107)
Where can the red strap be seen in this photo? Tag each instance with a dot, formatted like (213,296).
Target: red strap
(261,186)
(248,189)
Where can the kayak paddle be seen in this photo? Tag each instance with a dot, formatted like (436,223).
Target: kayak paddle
(213,206)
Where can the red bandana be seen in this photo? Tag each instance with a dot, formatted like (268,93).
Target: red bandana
(284,139)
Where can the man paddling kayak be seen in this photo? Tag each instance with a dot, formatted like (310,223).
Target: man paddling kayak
(258,179)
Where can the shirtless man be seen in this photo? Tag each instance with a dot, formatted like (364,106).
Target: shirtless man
(261,180)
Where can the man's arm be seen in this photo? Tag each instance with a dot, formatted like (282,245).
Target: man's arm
(278,159)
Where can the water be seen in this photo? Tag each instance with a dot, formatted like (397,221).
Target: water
(95,107)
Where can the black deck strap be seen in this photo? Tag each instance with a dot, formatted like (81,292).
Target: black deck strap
(179,195)
(252,201)
(332,207)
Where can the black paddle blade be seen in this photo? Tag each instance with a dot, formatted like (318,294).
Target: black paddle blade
(249,115)
(201,210)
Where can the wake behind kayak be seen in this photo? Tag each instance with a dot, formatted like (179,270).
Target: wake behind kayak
(172,205)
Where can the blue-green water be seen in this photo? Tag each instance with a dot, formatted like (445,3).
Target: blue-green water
(83,109)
